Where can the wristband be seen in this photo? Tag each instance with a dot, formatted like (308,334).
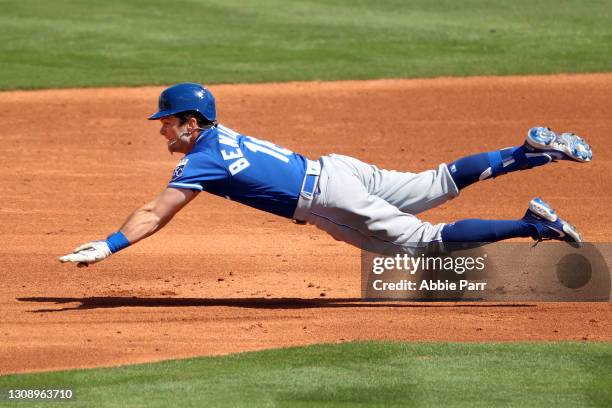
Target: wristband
(117,241)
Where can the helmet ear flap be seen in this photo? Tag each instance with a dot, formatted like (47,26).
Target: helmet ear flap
(186,97)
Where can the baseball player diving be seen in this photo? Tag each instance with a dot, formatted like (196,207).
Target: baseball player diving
(353,201)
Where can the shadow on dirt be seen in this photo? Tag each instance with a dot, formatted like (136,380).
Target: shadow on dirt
(251,303)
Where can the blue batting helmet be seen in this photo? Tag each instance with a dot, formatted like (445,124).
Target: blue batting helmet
(186,97)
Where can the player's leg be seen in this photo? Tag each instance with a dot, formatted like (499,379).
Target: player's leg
(542,146)
(375,225)
(346,210)
(411,193)
(350,214)
(540,222)
(416,192)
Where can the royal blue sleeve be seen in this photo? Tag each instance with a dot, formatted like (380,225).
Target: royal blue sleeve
(194,170)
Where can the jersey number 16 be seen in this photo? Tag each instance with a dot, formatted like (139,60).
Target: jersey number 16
(256,145)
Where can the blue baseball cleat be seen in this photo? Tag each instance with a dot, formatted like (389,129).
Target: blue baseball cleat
(547,224)
(564,146)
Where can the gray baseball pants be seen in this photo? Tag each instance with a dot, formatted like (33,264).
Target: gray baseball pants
(372,208)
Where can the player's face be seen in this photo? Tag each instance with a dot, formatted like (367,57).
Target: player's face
(178,136)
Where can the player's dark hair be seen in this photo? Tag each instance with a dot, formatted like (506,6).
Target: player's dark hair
(202,121)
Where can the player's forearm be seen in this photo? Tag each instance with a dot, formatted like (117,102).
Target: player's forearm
(142,223)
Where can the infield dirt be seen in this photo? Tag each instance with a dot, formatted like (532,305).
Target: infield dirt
(224,278)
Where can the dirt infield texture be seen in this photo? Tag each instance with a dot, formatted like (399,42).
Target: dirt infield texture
(225,278)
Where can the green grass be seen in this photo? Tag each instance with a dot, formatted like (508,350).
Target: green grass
(355,374)
(75,43)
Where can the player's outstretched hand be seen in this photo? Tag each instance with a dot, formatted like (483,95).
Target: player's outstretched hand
(88,253)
